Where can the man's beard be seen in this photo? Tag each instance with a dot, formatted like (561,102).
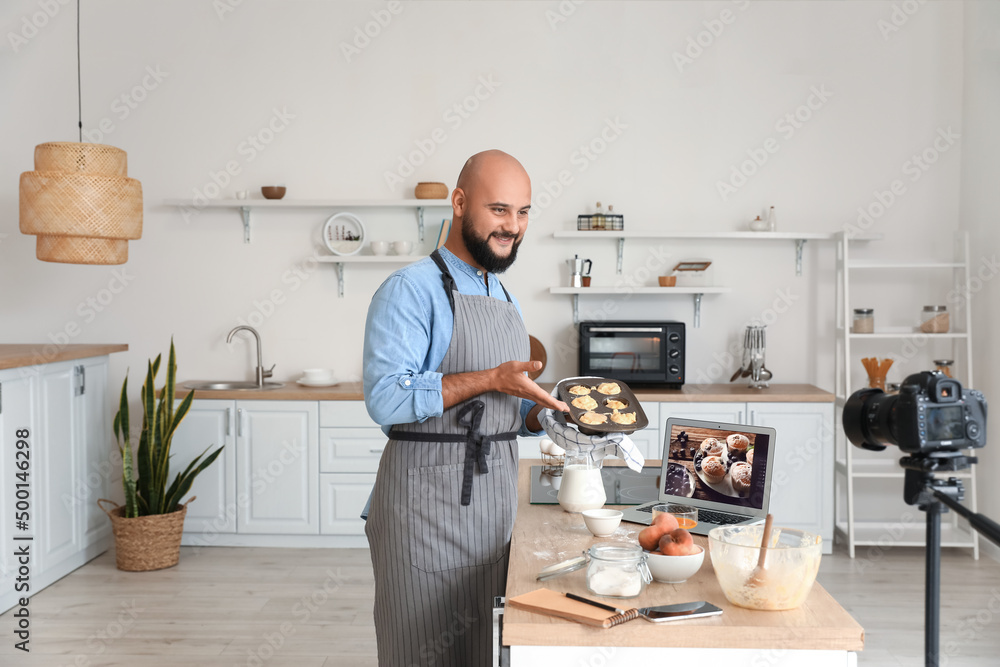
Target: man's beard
(481,251)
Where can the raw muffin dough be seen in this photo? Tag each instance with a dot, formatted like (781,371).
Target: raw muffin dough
(593,418)
(609,388)
(584,403)
(579,390)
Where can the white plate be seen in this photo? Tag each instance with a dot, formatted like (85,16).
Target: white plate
(322,383)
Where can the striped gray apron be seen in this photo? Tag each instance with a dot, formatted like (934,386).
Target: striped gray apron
(443,505)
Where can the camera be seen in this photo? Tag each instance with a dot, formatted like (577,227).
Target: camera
(932,412)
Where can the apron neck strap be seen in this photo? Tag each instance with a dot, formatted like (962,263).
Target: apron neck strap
(449,281)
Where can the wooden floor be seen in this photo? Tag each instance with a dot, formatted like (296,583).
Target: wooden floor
(313,608)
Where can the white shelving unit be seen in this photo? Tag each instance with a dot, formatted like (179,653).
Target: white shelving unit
(850,468)
(696,292)
(246,206)
(363,259)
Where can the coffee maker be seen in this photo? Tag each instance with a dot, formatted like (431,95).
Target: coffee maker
(578,269)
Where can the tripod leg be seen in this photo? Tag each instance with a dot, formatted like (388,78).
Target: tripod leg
(932,585)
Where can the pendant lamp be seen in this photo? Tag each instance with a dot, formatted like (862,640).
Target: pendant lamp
(79,200)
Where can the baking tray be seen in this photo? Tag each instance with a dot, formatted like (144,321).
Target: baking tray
(626,395)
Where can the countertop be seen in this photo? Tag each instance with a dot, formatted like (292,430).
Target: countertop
(545,534)
(18,356)
(692,393)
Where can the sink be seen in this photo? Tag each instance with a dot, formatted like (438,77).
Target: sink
(232,386)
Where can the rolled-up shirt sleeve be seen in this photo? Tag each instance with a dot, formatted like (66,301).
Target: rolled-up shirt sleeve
(397,341)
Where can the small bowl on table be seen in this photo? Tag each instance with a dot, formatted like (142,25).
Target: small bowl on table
(273,191)
(602,522)
(674,569)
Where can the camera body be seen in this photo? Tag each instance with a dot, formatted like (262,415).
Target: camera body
(932,412)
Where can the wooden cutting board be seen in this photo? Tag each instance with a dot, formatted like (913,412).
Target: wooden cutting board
(537,354)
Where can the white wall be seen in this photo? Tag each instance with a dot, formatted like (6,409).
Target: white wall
(558,86)
(979,214)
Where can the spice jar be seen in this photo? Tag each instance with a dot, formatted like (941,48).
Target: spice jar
(617,570)
(934,319)
(944,365)
(864,321)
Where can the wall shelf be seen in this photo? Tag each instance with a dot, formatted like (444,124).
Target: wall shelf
(696,292)
(245,206)
(363,259)
(800,239)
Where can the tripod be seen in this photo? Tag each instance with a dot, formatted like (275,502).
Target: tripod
(935,496)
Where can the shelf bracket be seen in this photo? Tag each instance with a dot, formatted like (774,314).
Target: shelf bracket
(621,253)
(420,224)
(697,310)
(798,256)
(576,309)
(340,279)
(245,212)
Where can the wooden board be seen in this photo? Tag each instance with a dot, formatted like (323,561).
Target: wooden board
(545,534)
(537,354)
(18,356)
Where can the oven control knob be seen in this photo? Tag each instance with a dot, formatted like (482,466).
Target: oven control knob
(674,370)
(674,337)
(674,353)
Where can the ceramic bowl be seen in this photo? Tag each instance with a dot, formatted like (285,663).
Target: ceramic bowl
(273,191)
(379,247)
(402,247)
(668,281)
(602,523)
(674,569)
(317,374)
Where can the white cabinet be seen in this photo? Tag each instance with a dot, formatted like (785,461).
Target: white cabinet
(732,413)
(63,407)
(351,446)
(278,467)
(802,480)
(209,424)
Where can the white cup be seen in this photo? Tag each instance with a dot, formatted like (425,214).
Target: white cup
(242,194)
(379,247)
(317,375)
(402,247)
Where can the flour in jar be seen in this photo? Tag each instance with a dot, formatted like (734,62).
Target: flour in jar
(614,581)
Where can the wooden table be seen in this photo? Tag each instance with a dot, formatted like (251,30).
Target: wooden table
(818,633)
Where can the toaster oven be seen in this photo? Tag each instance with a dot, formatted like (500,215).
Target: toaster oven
(639,353)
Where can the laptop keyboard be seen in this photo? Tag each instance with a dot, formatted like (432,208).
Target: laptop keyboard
(709,516)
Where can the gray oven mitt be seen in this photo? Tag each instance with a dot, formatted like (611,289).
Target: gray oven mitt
(569,438)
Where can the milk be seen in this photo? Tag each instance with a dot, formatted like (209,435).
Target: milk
(581,488)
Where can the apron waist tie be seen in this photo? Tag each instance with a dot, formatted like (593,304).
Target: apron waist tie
(477,445)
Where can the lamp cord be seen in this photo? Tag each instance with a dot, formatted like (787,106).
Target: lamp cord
(79,85)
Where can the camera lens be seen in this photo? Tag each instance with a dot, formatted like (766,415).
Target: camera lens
(868,421)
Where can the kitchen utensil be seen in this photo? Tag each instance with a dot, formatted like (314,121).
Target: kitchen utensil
(793,559)
(344,234)
(758,379)
(273,191)
(379,247)
(759,576)
(661,612)
(429,190)
(744,368)
(402,247)
(674,569)
(537,353)
(602,522)
(625,396)
(577,269)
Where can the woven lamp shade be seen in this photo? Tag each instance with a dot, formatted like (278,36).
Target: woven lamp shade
(81,204)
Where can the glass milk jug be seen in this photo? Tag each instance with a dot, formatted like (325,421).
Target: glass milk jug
(582,487)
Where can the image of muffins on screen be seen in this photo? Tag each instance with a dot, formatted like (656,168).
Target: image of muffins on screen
(720,461)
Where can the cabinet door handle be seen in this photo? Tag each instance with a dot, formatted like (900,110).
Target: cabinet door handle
(377,451)
(229,417)
(239,422)
(753,417)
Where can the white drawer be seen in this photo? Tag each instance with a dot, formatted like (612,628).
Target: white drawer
(350,449)
(341,500)
(344,413)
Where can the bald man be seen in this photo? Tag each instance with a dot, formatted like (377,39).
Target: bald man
(445,359)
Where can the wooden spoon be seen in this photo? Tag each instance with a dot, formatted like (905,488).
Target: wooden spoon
(759,576)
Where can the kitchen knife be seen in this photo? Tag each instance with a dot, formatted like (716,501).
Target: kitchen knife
(661,613)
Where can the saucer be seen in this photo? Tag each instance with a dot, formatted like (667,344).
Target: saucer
(317,383)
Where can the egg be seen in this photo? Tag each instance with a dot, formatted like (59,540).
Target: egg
(546,446)
(556,450)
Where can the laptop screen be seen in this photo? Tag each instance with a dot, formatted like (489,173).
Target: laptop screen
(717,465)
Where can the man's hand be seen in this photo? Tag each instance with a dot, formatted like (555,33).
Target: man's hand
(508,378)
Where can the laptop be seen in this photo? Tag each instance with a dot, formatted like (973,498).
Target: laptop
(686,446)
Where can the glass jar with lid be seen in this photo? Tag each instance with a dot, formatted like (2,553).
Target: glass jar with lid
(617,570)
(934,319)
(864,321)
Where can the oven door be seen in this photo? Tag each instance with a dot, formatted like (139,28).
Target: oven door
(633,353)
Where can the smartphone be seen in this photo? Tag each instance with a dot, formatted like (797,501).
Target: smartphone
(678,612)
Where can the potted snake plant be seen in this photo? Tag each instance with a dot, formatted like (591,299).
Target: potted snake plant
(148,526)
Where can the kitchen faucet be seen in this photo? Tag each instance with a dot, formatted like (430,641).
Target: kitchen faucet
(261,373)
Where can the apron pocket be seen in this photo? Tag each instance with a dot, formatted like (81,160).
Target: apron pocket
(444,534)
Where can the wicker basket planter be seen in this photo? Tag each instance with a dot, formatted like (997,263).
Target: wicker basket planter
(147,542)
